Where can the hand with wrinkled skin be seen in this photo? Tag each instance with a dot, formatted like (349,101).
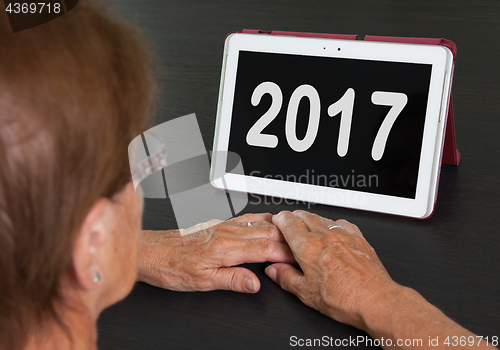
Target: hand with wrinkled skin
(344,279)
(341,271)
(205,260)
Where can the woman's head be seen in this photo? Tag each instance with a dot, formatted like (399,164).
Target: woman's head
(73,93)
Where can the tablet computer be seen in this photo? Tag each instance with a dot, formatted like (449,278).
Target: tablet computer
(347,123)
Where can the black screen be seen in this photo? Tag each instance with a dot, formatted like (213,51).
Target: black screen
(394,174)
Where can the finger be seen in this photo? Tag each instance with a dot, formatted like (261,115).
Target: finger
(262,229)
(337,226)
(316,222)
(293,229)
(287,276)
(312,221)
(238,252)
(349,227)
(252,218)
(329,222)
(237,279)
(332,225)
(345,232)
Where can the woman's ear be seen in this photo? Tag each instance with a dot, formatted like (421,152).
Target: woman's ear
(86,257)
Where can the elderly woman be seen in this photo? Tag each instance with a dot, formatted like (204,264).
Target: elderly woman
(73,93)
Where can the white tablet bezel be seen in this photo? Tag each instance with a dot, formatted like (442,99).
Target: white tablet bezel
(442,63)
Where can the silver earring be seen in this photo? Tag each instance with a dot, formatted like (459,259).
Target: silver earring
(97,276)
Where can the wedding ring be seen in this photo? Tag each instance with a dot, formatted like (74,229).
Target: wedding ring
(250,224)
(332,226)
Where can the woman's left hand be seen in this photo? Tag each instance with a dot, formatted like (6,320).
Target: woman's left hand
(204,260)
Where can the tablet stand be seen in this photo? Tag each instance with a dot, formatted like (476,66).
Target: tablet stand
(450,156)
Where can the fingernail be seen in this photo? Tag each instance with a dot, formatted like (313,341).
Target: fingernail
(250,285)
(271,272)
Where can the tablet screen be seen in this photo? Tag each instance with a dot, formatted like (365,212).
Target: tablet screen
(334,122)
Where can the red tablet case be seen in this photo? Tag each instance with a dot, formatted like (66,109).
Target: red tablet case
(450,155)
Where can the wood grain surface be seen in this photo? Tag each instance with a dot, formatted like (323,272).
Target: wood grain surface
(452,259)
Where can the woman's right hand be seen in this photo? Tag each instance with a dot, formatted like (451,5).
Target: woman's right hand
(343,278)
(342,275)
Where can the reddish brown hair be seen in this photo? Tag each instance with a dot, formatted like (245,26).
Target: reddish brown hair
(73,93)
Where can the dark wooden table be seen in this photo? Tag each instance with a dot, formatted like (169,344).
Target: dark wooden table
(452,259)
